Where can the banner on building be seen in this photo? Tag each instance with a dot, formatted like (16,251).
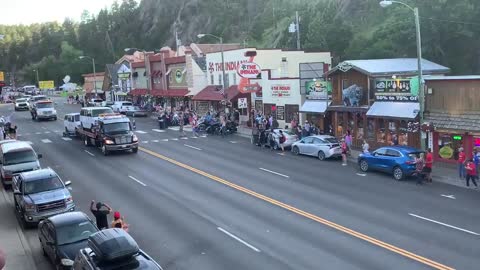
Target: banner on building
(46,84)
(2,76)
(405,90)
(318,89)
(249,70)
(281,90)
(242,103)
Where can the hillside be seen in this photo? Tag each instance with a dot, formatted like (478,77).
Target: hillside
(351,29)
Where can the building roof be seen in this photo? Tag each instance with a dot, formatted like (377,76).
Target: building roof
(200,49)
(175,60)
(138,65)
(465,121)
(452,78)
(210,93)
(393,66)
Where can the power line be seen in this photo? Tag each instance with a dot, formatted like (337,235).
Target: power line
(450,21)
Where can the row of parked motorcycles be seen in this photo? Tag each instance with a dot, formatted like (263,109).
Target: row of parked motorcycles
(214,127)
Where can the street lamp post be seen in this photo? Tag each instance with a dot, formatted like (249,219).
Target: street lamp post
(36,74)
(94,73)
(421,90)
(223,65)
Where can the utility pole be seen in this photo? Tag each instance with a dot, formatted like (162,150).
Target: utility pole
(297,21)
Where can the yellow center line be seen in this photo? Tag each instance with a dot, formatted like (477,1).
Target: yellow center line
(300,212)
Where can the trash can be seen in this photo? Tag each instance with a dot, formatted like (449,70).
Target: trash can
(161,123)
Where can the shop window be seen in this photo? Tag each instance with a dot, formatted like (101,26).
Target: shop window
(360,128)
(371,129)
(391,133)
(340,125)
(448,145)
(476,142)
(403,133)
(351,124)
(291,112)
(212,80)
(381,132)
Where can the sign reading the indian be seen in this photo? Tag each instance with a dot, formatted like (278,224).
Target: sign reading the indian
(229,66)
(281,90)
(249,70)
(318,89)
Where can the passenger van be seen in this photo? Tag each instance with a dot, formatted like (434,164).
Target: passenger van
(89,115)
(16,157)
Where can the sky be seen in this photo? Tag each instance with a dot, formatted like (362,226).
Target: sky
(38,11)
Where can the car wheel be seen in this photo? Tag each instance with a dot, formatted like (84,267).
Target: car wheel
(295,150)
(135,150)
(363,165)
(55,119)
(321,155)
(104,150)
(397,173)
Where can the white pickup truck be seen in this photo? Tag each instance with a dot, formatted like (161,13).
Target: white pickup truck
(122,107)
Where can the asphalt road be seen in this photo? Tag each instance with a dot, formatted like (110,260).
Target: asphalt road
(222,203)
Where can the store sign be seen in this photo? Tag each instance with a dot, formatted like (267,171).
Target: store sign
(280,90)
(446,152)
(249,70)
(396,98)
(242,103)
(249,88)
(2,76)
(393,86)
(318,89)
(280,112)
(229,66)
(178,76)
(457,138)
(123,76)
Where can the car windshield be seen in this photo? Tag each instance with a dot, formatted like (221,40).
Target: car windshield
(127,104)
(18,157)
(44,105)
(116,128)
(137,108)
(97,100)
(287,132)
(72,233)
(97,112)
(39,98)
(21,100)
(42,185)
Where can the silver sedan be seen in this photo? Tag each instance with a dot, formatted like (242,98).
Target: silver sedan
(321,146)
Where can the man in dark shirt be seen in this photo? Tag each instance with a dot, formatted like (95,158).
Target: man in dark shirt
(100,214)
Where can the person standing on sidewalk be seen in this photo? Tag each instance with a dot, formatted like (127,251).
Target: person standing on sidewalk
(427,169)
(461,163)
(344,152)
(471,173)
(476,159)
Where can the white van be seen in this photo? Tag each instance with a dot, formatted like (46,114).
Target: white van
(89,115)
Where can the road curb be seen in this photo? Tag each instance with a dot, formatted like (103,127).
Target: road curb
(21,236)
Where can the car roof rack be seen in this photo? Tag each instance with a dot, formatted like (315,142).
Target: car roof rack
(113,244)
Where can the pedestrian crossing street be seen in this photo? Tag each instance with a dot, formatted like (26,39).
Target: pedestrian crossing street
(59,136)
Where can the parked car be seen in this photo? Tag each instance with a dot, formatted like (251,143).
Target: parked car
(397,160)
(136,111)
(113,249)
(321,146)
(107,104)
(95,102)
(40,194)
(63,235)
(71,122)
(21,104)
(290,138)
(16,157)
(122,106)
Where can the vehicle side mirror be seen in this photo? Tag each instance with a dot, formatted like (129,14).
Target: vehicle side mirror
(374,154)
(302,142)
(68,183)
(39,156)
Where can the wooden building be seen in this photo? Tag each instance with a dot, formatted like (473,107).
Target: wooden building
(377,100)
(452,114)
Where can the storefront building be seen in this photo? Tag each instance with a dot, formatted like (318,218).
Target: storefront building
(92,82)
(243,68)
(377,100)
(452,116)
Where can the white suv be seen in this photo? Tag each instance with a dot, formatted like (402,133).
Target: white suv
(122,106)
(89,115)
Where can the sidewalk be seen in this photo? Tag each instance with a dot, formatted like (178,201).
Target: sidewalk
(12,239)
(444,173)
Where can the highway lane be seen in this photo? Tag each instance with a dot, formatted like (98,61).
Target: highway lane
(325,194)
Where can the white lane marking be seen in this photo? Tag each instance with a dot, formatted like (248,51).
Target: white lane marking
(66,139)
(184,138)
(444,224)
(361,174)
(194,137)
(448,196)
(144,141)
(46,132)
(154,140)
(233,141)
(19,135)
(193,147)
(174,139)
(38,133)
(203,136)
(44,127)
(174,128)
(89,153)
(46,141)
(238,239)
(57,131)
(140,131)
(281,154)
(158,130)
(165,140)
(136,180)
(283,175)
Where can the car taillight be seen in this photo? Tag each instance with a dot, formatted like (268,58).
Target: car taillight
(409,162)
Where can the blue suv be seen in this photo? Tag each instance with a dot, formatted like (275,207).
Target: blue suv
(397,160)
